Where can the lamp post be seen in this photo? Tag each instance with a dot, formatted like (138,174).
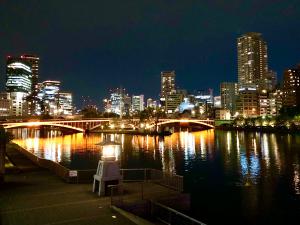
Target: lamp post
(108,170)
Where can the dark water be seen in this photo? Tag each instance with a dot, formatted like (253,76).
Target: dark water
(233,177)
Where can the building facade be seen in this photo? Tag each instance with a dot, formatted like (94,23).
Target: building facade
(252,59)
(65,103)
(167,85)
(5,104)
(229,92)
(247,103)
(172,102)
(18,84)
(291,87)
(137,103)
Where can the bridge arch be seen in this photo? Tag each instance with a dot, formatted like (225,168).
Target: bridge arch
(37,124)
(203,123)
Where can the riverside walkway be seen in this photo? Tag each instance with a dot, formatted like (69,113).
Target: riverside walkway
(35,196)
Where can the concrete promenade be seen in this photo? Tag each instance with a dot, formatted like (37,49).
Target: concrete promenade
(40,198)
(35,196)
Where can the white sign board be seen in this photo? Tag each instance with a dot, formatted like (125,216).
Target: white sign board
(73,173)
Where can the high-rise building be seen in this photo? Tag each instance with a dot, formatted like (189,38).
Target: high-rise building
(291,87)
(49,97)
(65,103)
(252,60)
(5,104)
(229,91)
(172,102)
(18,83)
(137,103)
(18,76)
(167,85)
(151,103)
(33,62)
(120,102)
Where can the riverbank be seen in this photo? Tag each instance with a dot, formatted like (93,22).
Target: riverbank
(281,130)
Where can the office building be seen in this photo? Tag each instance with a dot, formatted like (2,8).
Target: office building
(65,104)
(252,60)
(291,87)
(32,100)
(172,102)
(48,95)
(167,85)
(137,103)
(119,102)
(229,92)
(5,104)
(18,83)
(18,76)
(33,62)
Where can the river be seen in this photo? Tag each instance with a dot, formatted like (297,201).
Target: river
(234,177)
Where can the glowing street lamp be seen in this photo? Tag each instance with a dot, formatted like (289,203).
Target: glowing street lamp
(108,170)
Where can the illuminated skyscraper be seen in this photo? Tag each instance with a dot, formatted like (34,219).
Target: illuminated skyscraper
(18,76)
(137,103)
(18,83)
(33,62)
(229,91)
(167,84)
(252,59)
(49,97)
(65,103)
(119,102)
(291,87)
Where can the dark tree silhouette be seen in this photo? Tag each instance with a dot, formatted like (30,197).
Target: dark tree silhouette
(5,137)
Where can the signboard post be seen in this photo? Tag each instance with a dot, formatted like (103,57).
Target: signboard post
(73,174)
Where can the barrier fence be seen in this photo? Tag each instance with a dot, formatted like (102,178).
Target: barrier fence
(168,215)
(172,181)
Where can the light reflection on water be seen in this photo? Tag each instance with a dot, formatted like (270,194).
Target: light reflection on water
(258,161)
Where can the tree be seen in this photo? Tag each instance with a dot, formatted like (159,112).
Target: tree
(90,112)
(5,138)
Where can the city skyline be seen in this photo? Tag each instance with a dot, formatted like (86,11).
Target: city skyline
(133,46)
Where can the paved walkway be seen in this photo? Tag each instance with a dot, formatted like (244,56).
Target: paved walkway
(35,196)
(40,198)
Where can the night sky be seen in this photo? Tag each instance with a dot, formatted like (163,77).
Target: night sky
(92,46)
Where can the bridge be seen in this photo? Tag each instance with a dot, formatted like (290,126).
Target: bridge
(92,124)
(183,122)
(76,125)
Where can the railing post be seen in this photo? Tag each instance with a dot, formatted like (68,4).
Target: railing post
(142,190)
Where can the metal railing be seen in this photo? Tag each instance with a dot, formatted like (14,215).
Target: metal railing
(171,216)
(172,181)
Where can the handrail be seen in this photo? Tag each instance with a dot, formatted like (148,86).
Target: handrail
(178,213)
(172,181)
